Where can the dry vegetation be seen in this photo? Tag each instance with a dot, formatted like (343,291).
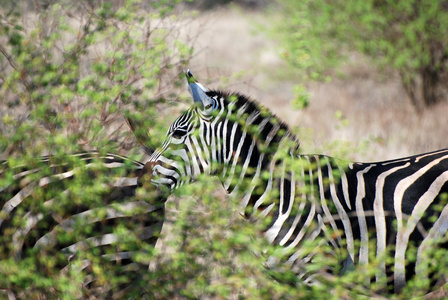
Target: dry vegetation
(366,111)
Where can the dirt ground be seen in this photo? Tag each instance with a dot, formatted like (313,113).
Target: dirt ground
(364,116)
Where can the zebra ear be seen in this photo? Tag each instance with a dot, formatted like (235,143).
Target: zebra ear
(199,93)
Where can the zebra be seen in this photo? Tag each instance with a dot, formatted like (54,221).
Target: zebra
(347,205)
(44,216)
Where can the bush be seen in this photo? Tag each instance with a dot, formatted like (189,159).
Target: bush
(70,72)
(408,36)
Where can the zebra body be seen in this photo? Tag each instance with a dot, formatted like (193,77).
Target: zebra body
(391,202)
(43,215)
(239,141)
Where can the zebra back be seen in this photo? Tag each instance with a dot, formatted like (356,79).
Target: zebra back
(79,218)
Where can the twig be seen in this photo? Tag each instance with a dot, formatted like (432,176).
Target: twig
(8,58)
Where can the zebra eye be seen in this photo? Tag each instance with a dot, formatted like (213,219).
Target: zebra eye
(178,134)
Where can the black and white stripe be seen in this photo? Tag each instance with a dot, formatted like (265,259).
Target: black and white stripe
(309,197)
(44,215)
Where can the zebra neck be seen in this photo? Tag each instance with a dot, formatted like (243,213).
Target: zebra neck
(251,174)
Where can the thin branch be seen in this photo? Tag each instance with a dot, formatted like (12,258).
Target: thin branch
(3,51)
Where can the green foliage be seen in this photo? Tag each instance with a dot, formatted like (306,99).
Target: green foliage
(408,36)
(69,72)
(44,219)
(70,69)
(214,253)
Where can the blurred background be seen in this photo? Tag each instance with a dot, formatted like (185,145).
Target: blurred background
(341,97)
(362,81)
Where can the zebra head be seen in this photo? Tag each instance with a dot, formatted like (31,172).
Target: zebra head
(221,134)
(185,153)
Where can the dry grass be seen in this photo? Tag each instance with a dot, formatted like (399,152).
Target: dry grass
(377,114)
(367,112)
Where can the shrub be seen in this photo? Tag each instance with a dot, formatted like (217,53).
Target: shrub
(408,36)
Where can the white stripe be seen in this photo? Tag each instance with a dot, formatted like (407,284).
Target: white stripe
(268,189)
(205,142)
(236,157)
(404,232)
(401,243)
(407,159)
(184,167)
(304,228)
(227,152)
(361,193)
(273,232)
(198,149)
(380,220)
(417,159)
(345,191)
(342,213)
(219,143)
(245,200)
(328,217)
(302,199)
(246,163)
(195,171)
(216,139)
(232,141)
(266,211)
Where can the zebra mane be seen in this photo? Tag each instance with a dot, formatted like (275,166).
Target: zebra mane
(252,106)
